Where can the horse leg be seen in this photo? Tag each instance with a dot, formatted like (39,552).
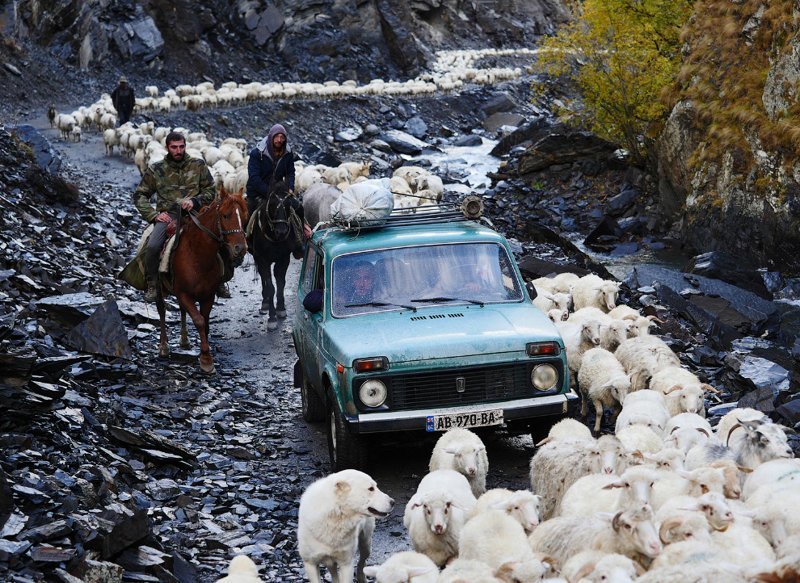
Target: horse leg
(272,320)
(200,322)
(280,269)
(206,358)
(163,343)
(184,334)
(263,273)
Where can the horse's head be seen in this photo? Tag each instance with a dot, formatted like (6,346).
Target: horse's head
(232,219)
(278,212)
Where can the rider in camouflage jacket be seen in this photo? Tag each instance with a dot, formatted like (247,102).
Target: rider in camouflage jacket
(172,181)
(178,181)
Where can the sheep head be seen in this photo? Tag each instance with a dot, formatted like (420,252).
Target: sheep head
(465,458)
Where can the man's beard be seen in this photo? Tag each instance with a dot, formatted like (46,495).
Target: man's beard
(176,157)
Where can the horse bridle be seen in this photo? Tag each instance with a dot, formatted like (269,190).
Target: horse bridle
(270,221)
(222,232)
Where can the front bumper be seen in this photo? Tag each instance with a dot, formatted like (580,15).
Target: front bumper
(515,412)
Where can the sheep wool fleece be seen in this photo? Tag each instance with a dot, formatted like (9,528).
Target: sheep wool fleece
(171,181)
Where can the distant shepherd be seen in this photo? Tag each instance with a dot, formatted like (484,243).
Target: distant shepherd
(123,99)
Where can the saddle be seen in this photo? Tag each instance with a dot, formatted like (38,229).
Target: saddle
(135,273)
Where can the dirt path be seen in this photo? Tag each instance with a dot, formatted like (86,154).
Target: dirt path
(254,380)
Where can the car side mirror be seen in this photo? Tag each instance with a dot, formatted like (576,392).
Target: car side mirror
(531,290)
(313,301)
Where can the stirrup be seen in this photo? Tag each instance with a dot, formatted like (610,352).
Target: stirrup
(151,294)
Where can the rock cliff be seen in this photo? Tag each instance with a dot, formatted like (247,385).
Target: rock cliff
(729,154)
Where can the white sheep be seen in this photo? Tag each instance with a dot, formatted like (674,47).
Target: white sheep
(668,458)
(643,412)
(557,315)
(403,567)
(557,465)
(241,570)
(643,356)
(609,493)
(436,513)
(628,533)
(640,438)
(547,301)
(463,451)
(468,571)
(682,483)
(521,505)
(782,471)
(495,538)
(753,438)
(599,567)
(603,381)
(712,505)
(567,428)
(564,282)
(577,340)
(591,290)
(684,390)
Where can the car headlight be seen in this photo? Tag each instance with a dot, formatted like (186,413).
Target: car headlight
(544,377)
(372,393)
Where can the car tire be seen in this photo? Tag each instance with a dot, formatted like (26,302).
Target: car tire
(346,451)
(313,407)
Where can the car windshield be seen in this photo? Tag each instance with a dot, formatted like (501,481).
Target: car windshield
(414,277)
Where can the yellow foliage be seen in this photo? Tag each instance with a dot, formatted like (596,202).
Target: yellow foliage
(622,54)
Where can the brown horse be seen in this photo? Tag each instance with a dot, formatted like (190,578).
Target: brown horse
(196,268)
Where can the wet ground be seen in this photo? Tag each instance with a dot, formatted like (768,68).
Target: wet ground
(249,405)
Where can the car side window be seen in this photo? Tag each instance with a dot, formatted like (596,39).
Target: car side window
(311,278)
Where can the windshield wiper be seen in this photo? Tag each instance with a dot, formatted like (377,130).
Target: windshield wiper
(442,299)
(381,305)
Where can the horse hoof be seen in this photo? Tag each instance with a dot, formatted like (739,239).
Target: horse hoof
(163,351)
(186,345)
(272,324)
(281,314)
(264,309)
(208,369)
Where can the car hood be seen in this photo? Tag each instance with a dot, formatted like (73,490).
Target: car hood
(433,333)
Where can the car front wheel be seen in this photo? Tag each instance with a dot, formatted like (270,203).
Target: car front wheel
(345,449)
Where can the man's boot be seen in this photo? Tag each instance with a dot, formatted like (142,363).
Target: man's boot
(152,293)
(223,291)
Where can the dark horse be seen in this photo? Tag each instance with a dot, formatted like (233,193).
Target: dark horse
(273,240)
(197,270)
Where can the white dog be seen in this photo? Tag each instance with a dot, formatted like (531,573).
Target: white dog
(241,570)
(337,513)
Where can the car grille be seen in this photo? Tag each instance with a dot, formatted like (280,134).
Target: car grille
(443,388)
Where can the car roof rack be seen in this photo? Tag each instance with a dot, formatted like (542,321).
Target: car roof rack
(470,209)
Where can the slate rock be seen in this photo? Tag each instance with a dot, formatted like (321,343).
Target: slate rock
(729,268)
(46,157)
(102,333)
(403,142)
(619,203)
(416,127)
(470,140)
(499,102)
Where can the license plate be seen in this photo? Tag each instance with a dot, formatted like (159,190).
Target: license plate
(465,420)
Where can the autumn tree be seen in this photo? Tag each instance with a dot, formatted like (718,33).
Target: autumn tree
(622,54)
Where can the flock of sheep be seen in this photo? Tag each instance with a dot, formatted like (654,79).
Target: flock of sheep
(665,499)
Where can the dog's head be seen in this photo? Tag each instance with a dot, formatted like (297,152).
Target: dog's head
(358,493)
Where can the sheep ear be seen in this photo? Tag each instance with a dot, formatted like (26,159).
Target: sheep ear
(615,521)
(585,571)
(709,388)
(637,454)
(481,448)
(451,450)
(371,571)
(744,470)
(498,505)
(613,485)
(545,440)
(412,572)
